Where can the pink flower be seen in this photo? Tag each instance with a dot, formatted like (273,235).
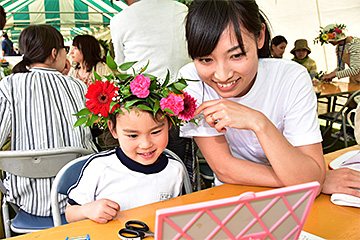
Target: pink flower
(334,34)
(140,86)
(189,108)
(172,102)
(338,30)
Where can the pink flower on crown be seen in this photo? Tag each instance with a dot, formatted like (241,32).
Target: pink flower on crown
(338,30)
(189,108)
(172,102)
(334,34)
(140,86)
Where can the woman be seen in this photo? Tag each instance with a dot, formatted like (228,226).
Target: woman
(37,104)
(301,53)
(347,52)
(86,53)
(260,123)
(277,46)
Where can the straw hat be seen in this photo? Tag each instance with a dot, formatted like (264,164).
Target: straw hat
(300,44)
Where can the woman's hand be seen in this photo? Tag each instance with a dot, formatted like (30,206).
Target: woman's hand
(66,69)
(328,77)
(223,113)
(342,180)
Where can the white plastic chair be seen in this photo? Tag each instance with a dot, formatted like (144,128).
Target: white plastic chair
(42,163)
(69,174)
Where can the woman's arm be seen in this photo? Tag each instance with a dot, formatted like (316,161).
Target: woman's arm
(100,211)
(289,165)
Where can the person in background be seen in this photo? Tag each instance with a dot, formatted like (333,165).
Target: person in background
(39,119)
(86,54)
(7,45)
(347,52)
(151,30)
(277,46)
(251,127)
(301,53)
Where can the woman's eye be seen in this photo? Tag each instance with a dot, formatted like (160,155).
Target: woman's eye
(205,60)
(239,55)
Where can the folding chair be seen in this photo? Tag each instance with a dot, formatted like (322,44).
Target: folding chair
(42,163)
(338,117)
(69,174)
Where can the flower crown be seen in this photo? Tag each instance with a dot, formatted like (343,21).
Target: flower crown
(142,91)
(331,32)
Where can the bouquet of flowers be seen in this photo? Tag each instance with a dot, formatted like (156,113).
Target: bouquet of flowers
(330,33)
(117,91)
(318,78)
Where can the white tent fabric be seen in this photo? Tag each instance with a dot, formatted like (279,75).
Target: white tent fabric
(295,19)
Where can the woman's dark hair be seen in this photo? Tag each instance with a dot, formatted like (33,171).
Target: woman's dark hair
(36,43)
(90,49)
(278,39)
(207,19)
(2,18)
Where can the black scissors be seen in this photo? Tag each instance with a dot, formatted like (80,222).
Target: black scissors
(135,230)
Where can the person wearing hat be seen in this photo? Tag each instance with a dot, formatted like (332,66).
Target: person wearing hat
(342,180)
(347,52)
(301,53)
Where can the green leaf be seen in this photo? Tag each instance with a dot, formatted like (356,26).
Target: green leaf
(169,111)
(97,76)
(152,77)
(80,122)
(132,102)
(156,106)
(152,85)
(118,110)
(144,107)
(179,85)
(174,90)
(190,80)
(82,112)
(167,79)
(127,65)
(93,119)
(144,68)
(110,62)
(123,76)
(165,92)
(112,104)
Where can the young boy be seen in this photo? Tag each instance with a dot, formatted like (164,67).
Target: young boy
(136,173)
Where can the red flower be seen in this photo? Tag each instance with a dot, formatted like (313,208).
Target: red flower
(100,95)
(189,108)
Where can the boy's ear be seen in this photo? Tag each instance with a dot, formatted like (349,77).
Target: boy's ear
(112,129)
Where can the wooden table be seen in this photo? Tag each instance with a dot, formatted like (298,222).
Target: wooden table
(325,219)
(333,89)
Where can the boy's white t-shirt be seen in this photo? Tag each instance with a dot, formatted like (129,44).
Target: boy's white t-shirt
(112,175)
(282,91)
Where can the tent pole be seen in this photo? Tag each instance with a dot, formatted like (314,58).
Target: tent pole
(319,18)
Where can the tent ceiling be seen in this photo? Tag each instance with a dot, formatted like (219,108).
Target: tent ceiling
(71,17)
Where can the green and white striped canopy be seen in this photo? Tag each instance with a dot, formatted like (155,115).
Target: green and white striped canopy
(70,17)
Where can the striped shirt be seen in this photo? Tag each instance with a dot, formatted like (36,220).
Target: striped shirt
(37,107)
(351,57)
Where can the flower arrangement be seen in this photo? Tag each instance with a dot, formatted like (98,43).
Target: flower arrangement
(318,78)
(117,91)
(332,32)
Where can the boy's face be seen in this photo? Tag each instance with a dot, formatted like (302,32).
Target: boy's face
(301,53)
(140,137)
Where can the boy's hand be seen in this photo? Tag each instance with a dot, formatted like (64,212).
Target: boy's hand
(101,211)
